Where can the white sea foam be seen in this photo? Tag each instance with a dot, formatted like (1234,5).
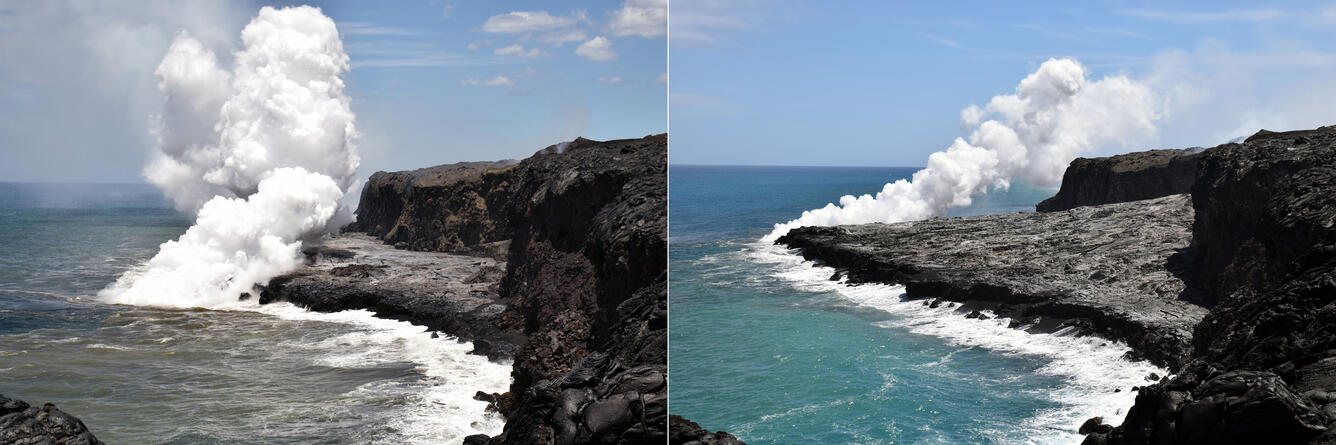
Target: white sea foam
(443,411)
(1091,367)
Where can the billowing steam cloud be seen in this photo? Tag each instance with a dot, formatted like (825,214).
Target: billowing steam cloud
(260,155)
(1055,115)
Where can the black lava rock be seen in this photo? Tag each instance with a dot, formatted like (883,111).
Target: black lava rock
(21,424)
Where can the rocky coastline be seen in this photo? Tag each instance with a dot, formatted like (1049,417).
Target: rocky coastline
(1100,269)
(556,262)
(1231,286)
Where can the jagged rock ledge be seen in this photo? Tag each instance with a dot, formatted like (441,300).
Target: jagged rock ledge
(454,294)
(1111,269)
(21,424)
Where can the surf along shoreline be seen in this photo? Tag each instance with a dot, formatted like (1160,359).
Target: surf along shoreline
(1213,263)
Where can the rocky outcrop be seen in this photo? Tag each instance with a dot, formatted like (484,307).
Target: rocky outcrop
(455,294)
(1122,178)
(685,432)
(446,208)
(1113,268)
(582,231)
(21,424)
(1264,252)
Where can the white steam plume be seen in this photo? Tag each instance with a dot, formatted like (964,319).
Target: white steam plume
(261,156)
(1055,114)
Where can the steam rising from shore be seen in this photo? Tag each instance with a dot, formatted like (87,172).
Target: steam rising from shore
(1032,135)
(260,155)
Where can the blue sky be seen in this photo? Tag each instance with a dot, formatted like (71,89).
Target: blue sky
(883,83)
(432,81)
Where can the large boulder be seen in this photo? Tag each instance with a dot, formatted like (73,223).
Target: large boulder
(21,424)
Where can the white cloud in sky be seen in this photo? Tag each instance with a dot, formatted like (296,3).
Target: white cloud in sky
(1234,15)
(1215,93)
(597,49)
(704,22)
(518,50)
(392,57)
(447,11)
(498,81)
(372,29)
(1325,17)
(558,38)
(525,21)
(1116,32)
(645,18)
(611,80)
(941,40)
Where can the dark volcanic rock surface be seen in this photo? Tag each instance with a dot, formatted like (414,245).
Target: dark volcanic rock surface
(442,209)
(583,232)
(21,424)
(586,267)
(1261,205)
(454,294)
(1264,251)
(1110,264)
(686,432)
(1122,178)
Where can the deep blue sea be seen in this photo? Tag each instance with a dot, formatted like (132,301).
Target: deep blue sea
(763,346)
(244,375)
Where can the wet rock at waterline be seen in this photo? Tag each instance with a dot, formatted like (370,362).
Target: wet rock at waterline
(21,424)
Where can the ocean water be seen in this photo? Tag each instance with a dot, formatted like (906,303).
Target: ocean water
(238,374)
(764,346)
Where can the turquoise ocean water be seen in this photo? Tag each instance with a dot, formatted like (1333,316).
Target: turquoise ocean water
(765,347)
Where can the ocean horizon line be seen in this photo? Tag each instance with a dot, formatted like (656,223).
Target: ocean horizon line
(672,165)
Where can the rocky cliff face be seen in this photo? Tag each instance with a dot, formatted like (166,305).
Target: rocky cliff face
(1123,178)
(21,424)
(1264,252)
(441,209)
(582,228)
